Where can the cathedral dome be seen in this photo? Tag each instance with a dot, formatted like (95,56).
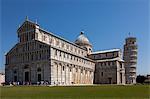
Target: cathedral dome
(82,40)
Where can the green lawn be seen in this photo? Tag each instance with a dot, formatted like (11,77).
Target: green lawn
(76,92)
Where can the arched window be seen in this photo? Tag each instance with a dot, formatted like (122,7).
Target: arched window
(70,69)
(63,68)
(101,73)
(15,71)
(39,69)
(81,70)
(89,49)
(26,66)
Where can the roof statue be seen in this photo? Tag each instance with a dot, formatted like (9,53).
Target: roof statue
(26,18)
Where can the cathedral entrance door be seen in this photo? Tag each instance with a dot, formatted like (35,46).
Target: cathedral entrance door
(39,77)
(26,76)
(109,80)
(15,78)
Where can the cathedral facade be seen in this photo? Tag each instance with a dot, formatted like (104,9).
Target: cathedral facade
(40,55)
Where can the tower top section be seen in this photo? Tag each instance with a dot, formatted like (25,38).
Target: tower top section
(130,40)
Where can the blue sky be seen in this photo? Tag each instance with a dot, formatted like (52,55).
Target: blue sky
(106,23)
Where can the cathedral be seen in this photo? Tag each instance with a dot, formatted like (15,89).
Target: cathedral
(40,55)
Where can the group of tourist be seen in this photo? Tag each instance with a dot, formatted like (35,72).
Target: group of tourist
(28,83)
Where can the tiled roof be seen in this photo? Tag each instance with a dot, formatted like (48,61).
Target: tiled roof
(105,51)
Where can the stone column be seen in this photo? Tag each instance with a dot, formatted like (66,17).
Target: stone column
(88,77)
(118,72)
(63,74)
(92,77)
(73,76)
(71,73)
(76,75)
(85,76)
(59,74)
(20,76)
(33,73)
(46,72)
(67,75)
(52,74)
(82,78)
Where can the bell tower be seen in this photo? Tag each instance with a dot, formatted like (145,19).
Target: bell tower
(130,58)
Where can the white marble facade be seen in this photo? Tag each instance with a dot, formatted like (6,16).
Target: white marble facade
(42,56)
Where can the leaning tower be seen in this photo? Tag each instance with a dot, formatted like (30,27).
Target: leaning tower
(130,58)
